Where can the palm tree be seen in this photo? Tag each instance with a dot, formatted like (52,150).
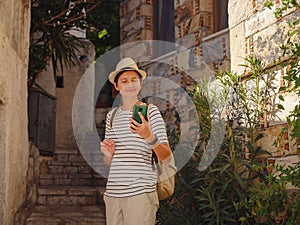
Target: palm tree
(50,36)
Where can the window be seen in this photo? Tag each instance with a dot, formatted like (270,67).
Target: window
(164,28)
(220,15)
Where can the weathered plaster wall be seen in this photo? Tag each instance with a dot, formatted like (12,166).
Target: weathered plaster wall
(254,30)
(14,151)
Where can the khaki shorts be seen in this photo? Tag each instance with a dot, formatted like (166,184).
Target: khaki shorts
(137,210)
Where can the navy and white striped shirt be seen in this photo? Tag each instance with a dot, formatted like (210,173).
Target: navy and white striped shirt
(131,170)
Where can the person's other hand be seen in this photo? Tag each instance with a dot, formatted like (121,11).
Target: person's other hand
(107,147)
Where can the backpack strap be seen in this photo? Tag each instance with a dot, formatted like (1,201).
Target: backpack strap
(148,114)
(155,164)
(154,159)
(112,116)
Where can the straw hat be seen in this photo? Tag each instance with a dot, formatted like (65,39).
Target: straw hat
(123,65)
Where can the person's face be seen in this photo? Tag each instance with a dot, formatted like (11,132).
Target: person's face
(128,84)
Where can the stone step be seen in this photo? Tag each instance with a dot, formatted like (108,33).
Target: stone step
(71,179)
(69,167)
(70,190)
(75,157)
(67,215)
(70,195)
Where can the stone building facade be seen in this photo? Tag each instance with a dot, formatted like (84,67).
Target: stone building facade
(202,38)
(14,147)
(254,30)
(196,27)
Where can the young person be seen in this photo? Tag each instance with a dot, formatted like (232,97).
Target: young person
(131,197)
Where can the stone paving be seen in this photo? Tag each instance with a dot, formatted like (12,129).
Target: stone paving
(67,215)
(69,192)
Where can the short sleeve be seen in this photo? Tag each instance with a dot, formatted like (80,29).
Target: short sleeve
(157,123)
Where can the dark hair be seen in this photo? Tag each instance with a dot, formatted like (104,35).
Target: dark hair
(122,71)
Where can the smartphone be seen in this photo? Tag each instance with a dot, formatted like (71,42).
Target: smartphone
(139,108)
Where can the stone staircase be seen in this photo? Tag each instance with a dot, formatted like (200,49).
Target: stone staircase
(70,192)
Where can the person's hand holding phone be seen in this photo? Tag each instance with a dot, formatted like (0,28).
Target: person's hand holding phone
(139,108)
(142,129)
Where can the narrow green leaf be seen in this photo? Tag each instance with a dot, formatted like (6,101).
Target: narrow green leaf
(280,106)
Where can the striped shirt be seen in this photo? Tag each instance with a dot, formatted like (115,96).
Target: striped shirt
(131,170)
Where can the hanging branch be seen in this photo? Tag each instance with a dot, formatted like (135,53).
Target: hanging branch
(62,15)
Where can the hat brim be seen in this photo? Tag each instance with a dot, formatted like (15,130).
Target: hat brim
(113,74)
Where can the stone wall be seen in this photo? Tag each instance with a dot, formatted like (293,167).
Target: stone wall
(14,150)
(254,30)
(33,173)
(136,20)
(194,27)
(193,21)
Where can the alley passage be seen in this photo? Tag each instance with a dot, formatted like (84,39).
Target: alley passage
(70,192)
